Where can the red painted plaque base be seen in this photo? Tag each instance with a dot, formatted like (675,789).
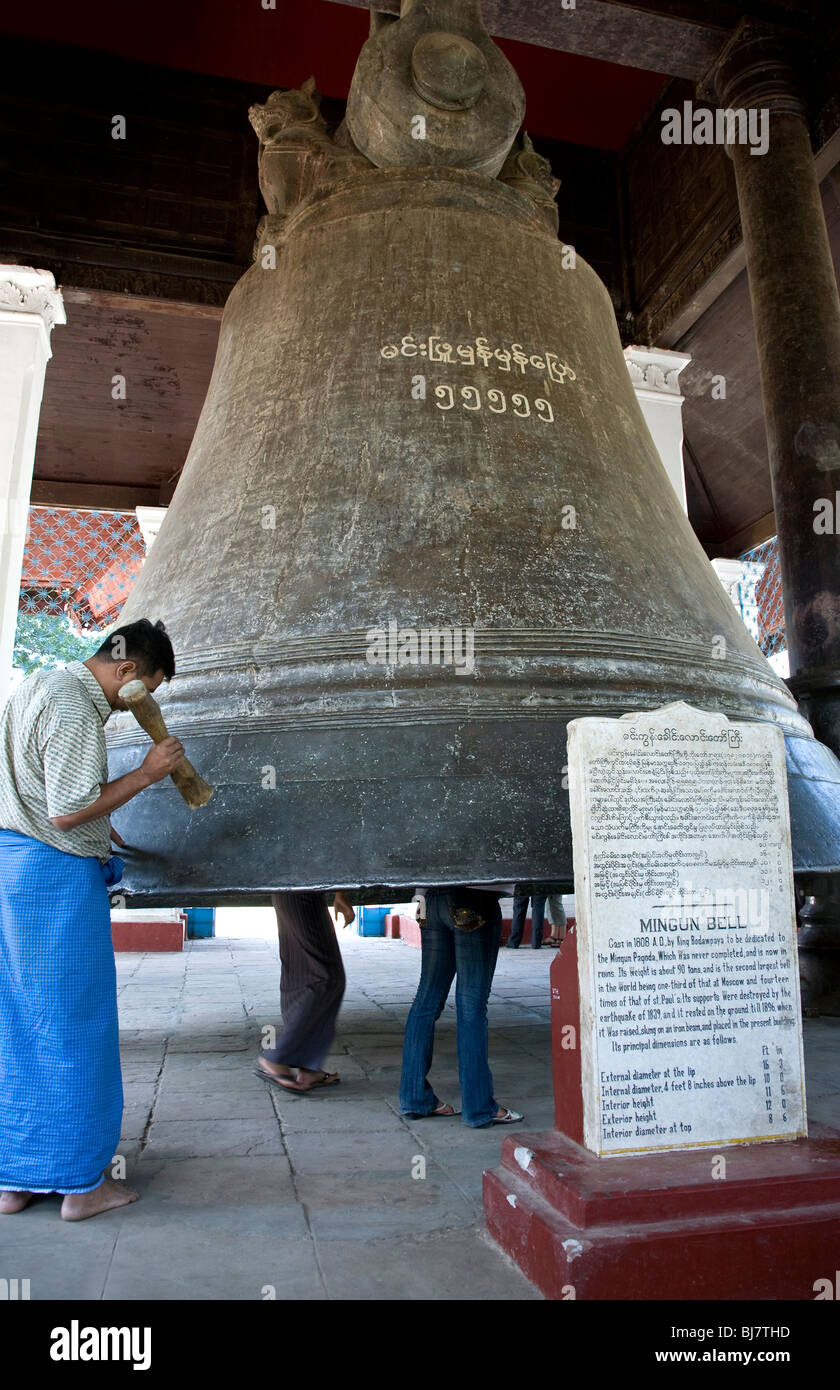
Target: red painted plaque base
(660,1226)
(763,1223)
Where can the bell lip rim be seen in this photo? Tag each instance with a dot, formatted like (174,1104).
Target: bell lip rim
(244,897)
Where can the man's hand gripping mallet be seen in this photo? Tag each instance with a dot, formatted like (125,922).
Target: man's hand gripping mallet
(146,710)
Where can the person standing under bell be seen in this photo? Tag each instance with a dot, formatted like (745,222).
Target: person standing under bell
(312,984)
(520,912)
(61,1094)
(460,941)
(557,916)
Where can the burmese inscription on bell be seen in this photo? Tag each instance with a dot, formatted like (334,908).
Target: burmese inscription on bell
(690,1020)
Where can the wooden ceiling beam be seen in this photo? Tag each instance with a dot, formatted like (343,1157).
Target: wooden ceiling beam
(746,539)
(140,304)
(680,38)
(93,497)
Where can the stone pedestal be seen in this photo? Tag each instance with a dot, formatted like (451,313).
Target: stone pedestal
(758,1221)
(30,305)
(679,1167)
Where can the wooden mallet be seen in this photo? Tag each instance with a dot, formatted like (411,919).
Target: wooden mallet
(146,710)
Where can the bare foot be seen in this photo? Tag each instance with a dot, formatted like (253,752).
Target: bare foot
(10,1202)
(78,1206)
(308,1080)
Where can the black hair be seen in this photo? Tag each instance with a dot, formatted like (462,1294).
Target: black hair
(144,643)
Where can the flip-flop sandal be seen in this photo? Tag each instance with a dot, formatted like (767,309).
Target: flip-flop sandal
(328,1079)
(267,1076)
(438,1114)
(510,1117)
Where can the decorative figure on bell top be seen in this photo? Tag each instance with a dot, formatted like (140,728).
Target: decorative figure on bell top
(433,88)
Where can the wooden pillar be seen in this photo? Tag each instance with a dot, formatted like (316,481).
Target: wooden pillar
(796,312)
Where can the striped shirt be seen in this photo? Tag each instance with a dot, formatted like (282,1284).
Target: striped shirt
(53,760)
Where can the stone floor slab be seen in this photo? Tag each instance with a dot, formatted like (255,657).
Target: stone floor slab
(383,1202)
(218,1103)
(207,1138)
(347,1152)
(245,1189)
(188,1264)
(460,1265)
(329,1117)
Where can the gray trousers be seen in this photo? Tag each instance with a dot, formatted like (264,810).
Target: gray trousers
(312,980)
(557,913)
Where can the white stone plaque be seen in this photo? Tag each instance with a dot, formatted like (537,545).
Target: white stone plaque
(691,1032)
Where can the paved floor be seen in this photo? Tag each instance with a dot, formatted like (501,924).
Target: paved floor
(248,1193)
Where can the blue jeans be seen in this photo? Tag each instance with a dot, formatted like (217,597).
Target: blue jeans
(448,953)
(520,911)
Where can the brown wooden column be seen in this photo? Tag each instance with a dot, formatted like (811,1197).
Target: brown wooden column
(796,311)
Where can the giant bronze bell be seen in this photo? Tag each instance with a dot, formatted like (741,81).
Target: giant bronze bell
(420,425)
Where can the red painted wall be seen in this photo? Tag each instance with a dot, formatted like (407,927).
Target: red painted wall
(579,100)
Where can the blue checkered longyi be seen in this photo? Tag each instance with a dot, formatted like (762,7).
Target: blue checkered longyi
(61,1093)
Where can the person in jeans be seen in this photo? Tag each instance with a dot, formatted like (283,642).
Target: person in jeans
(520,912)
(557,917)
(459,941)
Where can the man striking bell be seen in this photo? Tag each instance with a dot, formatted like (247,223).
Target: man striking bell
(61,1094)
